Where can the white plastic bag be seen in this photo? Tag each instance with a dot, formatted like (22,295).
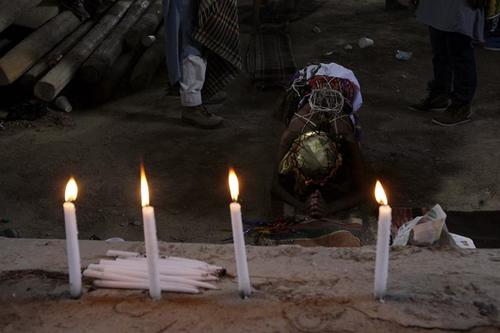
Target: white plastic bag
(422,230)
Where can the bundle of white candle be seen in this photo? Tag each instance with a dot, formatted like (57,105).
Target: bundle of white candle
(130,271)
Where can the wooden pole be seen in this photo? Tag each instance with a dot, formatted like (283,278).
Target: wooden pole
(58,77)
(148,63)
(12,9)
(35,17)
(110,49)
(18,60)
(146,25)
(54,56)
(5,44)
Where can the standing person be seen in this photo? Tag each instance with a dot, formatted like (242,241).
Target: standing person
(202,53)
(453,25)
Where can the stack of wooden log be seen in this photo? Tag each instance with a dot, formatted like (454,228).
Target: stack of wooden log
(100,53)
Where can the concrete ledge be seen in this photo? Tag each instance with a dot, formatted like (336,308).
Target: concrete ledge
(297,290)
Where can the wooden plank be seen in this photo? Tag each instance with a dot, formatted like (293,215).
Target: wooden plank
(12,9)
(111,48)
(58,77)
(147,25)
(18,60)
(54,56)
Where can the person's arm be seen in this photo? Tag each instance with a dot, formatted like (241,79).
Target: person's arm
(359,190)
(277,189)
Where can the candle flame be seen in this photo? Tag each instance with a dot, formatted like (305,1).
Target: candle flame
(380,194)
(71,190)
(144,188)
(233,185)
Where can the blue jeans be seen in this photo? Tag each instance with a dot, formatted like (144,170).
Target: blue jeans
(183,54)
(179,18)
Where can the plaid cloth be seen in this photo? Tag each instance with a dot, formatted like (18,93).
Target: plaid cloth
(269,58)
(297,227)
(218,31)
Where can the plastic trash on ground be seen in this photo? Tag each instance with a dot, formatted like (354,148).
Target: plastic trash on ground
(428,230)
(463,242)
(403,55)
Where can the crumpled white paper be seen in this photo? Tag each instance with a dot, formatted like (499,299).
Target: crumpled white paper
(427,230)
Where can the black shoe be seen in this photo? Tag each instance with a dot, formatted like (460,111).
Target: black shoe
(432,103)
(456,114)
(199,116)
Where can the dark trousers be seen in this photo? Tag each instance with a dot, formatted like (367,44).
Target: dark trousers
(454,65)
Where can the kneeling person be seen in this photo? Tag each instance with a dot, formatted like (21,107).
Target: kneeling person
(319,168)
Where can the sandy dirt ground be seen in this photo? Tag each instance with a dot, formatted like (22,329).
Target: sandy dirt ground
(296,290)
(421,164)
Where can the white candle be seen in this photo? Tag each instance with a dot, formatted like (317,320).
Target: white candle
(383,239)
(166,266)
(181,263)
(240,253)
(141,270)
(163,270)
(142,285)
(72,247)
(150,239)
(121,254)
(118,274)
(135,256)
(111,276)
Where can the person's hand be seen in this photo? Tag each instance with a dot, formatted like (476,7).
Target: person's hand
(478,3)
(316,205)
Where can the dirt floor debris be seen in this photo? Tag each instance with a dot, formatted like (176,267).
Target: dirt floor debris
(365,42)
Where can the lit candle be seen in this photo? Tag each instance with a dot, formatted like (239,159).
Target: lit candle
(150,239)
(244,286)
(72,247)
(383,239)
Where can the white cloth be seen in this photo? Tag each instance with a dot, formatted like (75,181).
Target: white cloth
(191,82)
(335,70)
